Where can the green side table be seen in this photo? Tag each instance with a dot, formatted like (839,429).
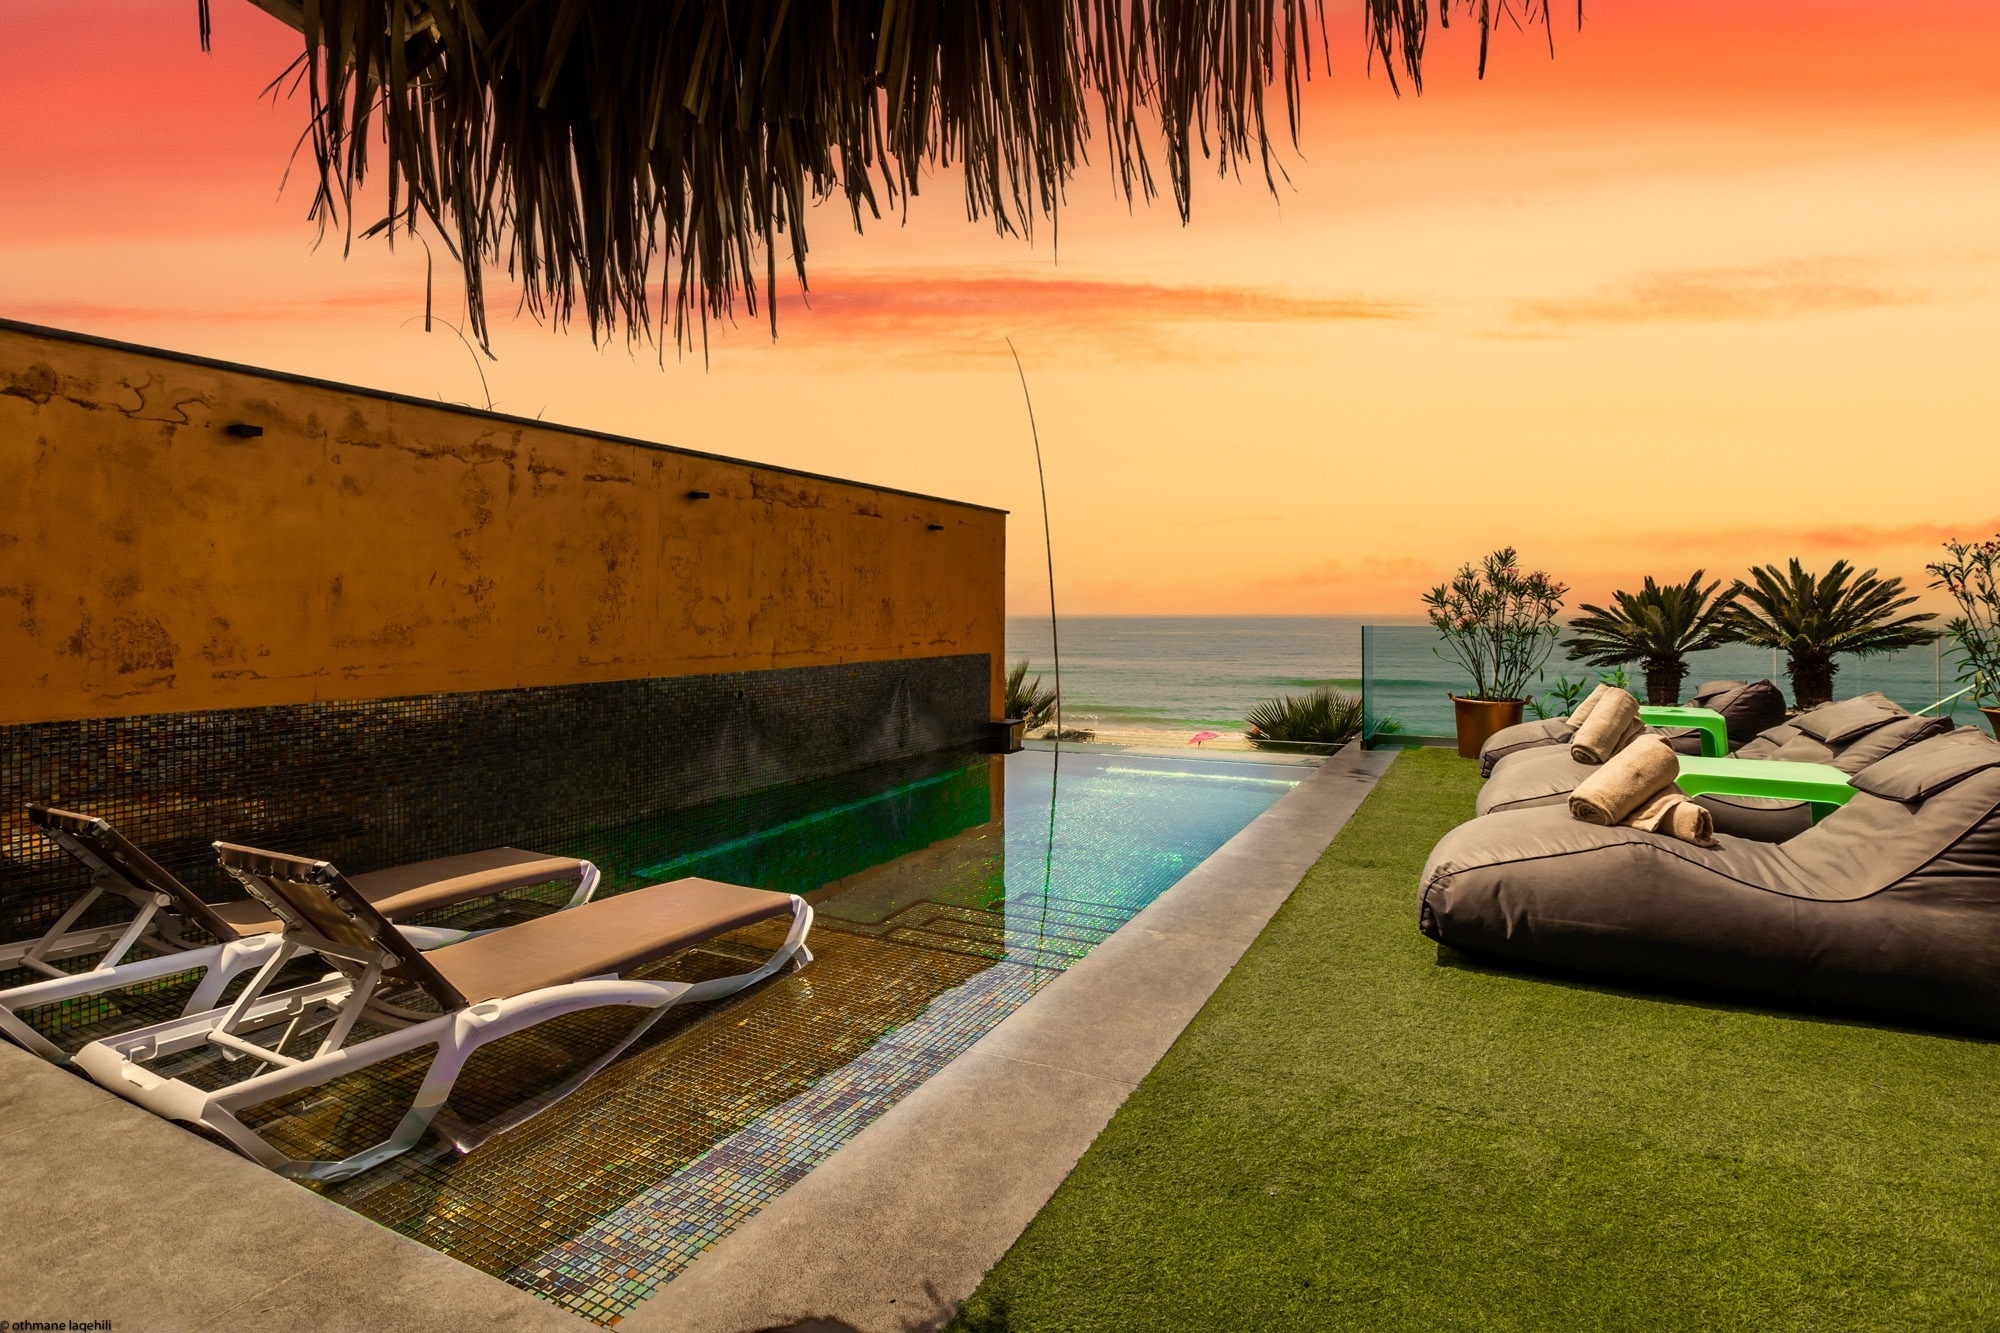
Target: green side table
(1714,731)
(1822,785)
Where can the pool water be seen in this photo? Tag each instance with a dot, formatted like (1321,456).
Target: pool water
(947,894)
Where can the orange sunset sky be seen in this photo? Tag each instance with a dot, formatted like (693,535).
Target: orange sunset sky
(1717,284)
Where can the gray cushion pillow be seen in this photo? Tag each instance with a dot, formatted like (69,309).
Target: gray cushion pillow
(1918,772)
(1801,749)
(1714,689)
(1746,708)
(1765,744)
(1849,719)
(1884,741)
(1681,740)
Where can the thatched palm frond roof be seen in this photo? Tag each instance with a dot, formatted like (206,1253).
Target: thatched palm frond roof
(638,160)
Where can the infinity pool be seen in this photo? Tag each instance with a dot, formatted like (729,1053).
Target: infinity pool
(947,893)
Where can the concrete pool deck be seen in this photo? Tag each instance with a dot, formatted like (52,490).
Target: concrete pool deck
(115,1214)
(111,1213)
(895,1229)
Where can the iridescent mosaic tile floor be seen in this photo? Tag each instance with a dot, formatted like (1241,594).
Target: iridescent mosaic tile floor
(946,896)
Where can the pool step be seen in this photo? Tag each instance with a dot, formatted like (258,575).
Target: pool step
(1056,932)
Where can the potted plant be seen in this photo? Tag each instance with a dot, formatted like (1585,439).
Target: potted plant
(1500,624)
(1815,618)
(1969,575)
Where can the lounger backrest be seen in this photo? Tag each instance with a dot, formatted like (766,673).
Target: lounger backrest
(105,851)
(1908,811)
(314,899)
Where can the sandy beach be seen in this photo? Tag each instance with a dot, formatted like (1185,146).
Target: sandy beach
(1166,738)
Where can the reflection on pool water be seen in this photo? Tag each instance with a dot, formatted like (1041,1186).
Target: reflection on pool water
(947,893)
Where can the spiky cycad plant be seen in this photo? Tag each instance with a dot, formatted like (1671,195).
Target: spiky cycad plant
(648,164)
(1656,627)
(1325,716)
(1814,618)
(1026,699)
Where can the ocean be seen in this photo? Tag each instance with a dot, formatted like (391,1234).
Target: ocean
(1194,673)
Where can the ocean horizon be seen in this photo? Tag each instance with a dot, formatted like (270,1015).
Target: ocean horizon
(1196,673)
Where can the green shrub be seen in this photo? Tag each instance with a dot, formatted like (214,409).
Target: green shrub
(1498,622)
(1326,716)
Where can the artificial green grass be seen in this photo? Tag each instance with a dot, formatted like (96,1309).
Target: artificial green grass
(1359,1133)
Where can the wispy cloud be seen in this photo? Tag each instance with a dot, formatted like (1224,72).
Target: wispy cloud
(1781,289)
(942,315)
(94,315)
(1858,542)
(1328,576)
(1899,549)
(954,313)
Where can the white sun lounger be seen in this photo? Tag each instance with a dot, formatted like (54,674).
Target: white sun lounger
(483,988)
(183,933)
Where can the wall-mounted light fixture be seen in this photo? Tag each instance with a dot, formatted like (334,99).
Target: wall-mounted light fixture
(697,495)
(937,527)
(243,430)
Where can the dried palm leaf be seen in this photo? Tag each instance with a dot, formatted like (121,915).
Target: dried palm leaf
(637,159)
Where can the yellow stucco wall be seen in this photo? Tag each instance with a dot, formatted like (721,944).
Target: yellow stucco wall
(366,546)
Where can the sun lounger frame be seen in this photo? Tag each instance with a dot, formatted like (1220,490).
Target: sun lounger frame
(119,1063)
(119,868)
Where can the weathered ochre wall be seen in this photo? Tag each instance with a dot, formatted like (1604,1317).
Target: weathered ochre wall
(366,546)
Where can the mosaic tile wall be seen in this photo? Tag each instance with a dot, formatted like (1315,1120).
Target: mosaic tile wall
(381,782)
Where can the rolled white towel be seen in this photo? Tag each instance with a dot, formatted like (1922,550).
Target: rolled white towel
(1674,815)
(1638,773)
(1611,726)
(1595,697)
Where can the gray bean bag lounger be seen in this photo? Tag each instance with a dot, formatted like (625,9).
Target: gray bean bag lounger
(1891,903)
(1747,709)
(1850,735)
(1539,734)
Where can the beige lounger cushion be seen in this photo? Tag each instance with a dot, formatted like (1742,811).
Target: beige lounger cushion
(611,935)
(401,892)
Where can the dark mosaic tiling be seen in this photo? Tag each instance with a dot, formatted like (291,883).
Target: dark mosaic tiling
(377,783)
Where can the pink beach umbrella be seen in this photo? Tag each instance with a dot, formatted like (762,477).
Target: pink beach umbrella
(1201,736)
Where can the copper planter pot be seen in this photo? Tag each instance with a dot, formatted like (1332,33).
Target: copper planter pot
(1480,718)
(1993,720)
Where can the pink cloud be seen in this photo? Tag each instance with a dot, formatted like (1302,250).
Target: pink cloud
(955,313)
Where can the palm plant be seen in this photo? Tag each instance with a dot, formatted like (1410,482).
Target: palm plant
(618,155)
(1026,699)
(1814,618)
(1325,716)
(1656,627)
